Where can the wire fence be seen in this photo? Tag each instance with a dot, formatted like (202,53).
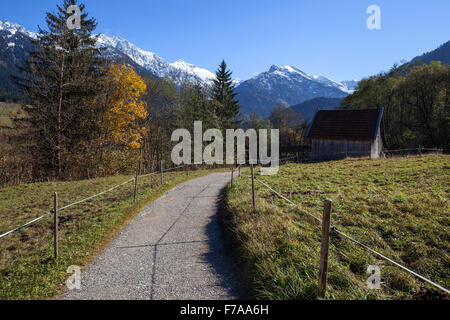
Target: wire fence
(383,154)
(341,233)
(32,222)
(238,168)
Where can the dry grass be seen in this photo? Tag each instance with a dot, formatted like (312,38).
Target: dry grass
(7,112)
(27,267)
(398,206)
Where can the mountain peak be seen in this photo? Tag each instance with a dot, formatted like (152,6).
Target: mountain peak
(188,68)
(277,67)
(288,69)
(285,85)
(182,63)
(13,28)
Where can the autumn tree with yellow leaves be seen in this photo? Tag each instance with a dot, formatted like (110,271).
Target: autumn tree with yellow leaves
(124,107)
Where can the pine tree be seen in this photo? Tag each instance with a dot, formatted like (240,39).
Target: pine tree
(61,78)
(224,93)
(195,106)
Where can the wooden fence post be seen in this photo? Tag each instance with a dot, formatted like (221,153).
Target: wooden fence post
(324,249)
(253,188)
(187,170)
(55,211)
(239,170)
(162,172)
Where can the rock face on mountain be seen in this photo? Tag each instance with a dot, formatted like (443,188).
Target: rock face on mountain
(15,42)
(285,85)
(309,108)
(179,71)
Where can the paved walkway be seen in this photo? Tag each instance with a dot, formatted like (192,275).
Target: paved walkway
(172,250)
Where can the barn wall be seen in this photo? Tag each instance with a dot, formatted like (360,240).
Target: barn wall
(324,149)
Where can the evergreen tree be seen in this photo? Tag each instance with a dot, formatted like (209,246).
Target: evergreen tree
(61,78)
(225,95)
(196,106)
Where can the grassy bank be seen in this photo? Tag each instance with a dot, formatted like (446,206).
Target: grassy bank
(397,206)
(27,267)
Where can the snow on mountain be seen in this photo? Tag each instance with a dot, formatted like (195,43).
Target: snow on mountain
(285,85)
(350,85)
(14,28)
(116,47)
(237,82)
(203,74)
(178,71)
(287,71)
(330,83)
(148,60)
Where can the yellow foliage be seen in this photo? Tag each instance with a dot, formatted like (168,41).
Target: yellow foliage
(124,106)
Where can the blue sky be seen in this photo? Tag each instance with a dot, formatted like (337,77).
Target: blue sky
(320,37)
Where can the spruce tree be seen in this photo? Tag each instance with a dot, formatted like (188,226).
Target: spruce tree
(225,95)
(62,77)
(197,107)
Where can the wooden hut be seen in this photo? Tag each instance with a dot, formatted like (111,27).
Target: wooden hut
(338,134)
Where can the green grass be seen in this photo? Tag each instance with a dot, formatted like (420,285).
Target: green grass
(397,206)
(27,267)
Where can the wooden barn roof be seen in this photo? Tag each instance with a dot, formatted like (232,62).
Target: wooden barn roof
(346,124)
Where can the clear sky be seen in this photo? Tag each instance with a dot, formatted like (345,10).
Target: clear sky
(321,37)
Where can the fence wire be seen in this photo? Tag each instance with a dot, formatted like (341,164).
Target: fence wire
(30,223)
(335,229)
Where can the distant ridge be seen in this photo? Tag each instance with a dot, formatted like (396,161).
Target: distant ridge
(441,54)
(309,108)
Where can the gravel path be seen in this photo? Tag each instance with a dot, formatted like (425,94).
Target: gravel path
(172,250)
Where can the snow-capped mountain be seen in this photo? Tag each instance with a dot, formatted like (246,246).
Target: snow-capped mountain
(15,43)
(285,85)
(178,71)
(350,85)
(330,83)
(14,28)
(121,50)
(185,68)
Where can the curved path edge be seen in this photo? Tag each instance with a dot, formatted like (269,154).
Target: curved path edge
(172,250)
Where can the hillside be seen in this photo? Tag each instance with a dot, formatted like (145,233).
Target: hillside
(309,108)
(27,267)
(440,54)
(14,48)
(378,202)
